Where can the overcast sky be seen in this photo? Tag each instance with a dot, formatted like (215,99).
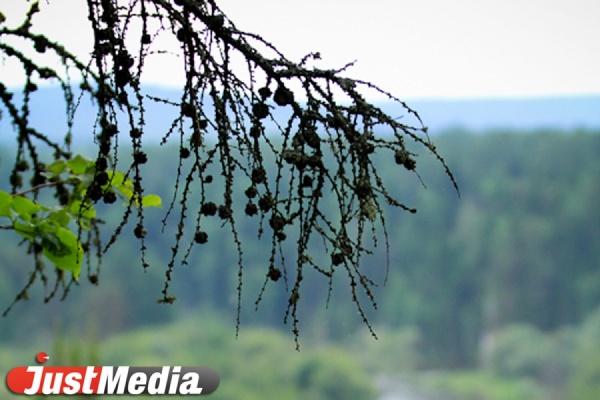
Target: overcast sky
(417,48)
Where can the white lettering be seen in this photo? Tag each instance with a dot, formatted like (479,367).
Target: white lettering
(157,384)
(174,380)
(112,380)
(72,383)
(50,385)
(137,382)
(37,379)
(87,382)
(190,384)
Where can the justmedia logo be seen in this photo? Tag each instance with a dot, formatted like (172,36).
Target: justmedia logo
(106,380)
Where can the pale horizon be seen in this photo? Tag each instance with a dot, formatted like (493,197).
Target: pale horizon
(414,50)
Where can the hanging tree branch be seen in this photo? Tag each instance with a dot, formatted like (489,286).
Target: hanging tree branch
(323,149)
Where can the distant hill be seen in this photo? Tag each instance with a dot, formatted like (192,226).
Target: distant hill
(476,115)
(569,112)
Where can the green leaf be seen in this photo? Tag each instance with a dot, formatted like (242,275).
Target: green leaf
(52,244)
(61,217)
(151,200)
(64,250)
(122,185)
(26,230)
(79,164)
(79,209)
(57,167)
(24,207)
(5,203)
(84,224)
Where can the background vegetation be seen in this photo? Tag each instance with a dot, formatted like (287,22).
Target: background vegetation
(499,290)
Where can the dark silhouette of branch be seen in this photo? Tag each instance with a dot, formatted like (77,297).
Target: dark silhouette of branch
(323,150)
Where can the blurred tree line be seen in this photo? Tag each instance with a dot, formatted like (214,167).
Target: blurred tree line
(521,245)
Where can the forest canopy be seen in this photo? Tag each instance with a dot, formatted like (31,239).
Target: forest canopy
(288,135)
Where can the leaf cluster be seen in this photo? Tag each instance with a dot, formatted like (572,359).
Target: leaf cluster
(57,232)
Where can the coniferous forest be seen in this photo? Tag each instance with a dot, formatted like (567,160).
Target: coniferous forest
(498,287)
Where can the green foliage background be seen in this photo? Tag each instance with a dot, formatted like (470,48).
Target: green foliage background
(502,284)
